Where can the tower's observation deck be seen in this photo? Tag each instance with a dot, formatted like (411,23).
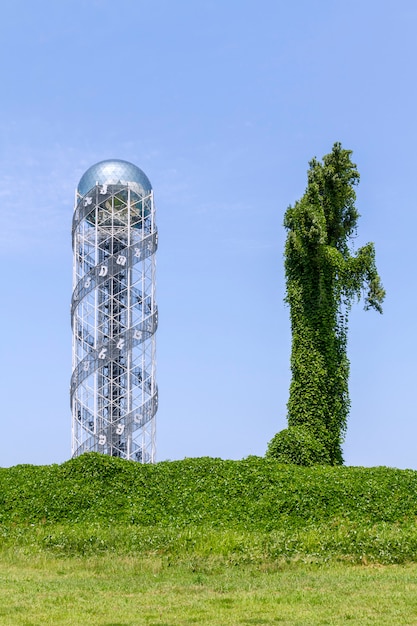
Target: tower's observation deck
(114,316)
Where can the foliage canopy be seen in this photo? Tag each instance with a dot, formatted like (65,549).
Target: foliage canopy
(324,276)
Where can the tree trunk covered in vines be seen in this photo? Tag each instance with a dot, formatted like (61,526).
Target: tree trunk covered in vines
(323,278)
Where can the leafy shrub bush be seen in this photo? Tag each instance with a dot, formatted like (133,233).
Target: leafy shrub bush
(254,493)
(243,510)
(297,445)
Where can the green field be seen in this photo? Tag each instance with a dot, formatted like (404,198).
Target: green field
(130,591)
(99,540)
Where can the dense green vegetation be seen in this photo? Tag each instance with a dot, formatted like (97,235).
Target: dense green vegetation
(324,276)
(254,510)
(105,541)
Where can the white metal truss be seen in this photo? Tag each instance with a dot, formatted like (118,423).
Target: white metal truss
(114,397)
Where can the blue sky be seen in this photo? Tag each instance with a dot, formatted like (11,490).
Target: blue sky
(222,103)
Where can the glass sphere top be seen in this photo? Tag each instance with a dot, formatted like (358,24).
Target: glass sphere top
(113,172)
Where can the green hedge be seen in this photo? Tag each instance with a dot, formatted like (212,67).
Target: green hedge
(255,494)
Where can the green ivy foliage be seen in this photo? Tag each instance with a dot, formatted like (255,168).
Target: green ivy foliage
(324,276)
(246,511)
(297,444)
(253,493)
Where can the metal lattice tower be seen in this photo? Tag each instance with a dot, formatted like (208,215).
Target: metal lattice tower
(114,316)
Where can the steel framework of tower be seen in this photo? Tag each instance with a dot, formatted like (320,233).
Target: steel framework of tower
(114,316)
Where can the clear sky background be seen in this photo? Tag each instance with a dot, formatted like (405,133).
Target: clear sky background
(222,103)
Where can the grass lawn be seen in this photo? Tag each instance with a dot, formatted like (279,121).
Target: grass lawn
(112,590)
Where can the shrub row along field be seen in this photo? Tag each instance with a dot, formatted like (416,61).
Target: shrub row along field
(249,510)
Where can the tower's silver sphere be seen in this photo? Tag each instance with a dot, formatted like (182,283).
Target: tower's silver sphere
(115,172)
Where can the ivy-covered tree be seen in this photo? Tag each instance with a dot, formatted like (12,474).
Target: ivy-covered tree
(323,278)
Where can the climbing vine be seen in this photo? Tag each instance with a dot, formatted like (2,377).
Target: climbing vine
(323,278)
